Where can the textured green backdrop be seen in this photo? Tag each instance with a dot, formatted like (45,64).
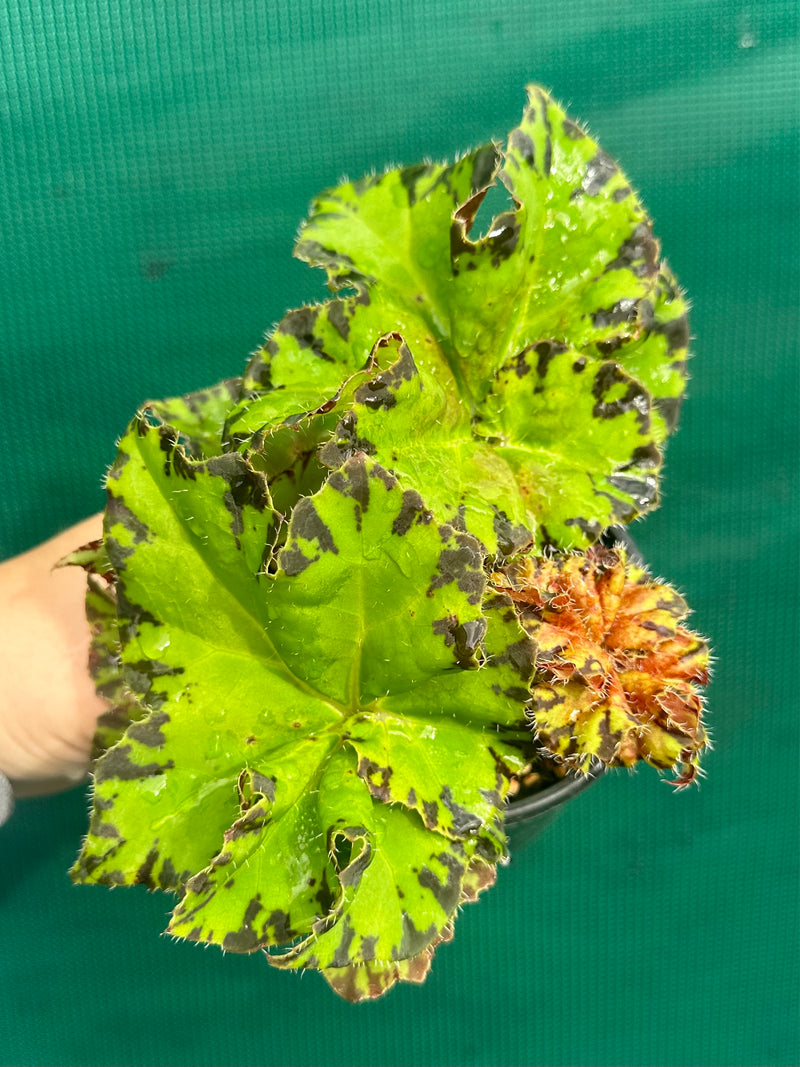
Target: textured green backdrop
(155,160)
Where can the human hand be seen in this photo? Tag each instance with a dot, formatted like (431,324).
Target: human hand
(48,705)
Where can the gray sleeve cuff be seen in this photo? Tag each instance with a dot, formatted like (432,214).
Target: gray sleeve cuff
(6,799)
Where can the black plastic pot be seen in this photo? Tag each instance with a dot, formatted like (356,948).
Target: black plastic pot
(527,815)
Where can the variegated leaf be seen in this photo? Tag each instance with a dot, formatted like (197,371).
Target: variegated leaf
(345,683)
(571,265)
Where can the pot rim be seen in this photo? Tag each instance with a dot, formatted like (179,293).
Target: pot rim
(574,782)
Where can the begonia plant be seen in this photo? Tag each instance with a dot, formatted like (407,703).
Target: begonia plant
(345,601)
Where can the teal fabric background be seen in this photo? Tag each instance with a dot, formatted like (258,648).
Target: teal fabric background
(155,161)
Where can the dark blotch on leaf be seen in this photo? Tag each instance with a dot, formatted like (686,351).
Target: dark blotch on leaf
(468,637)
(599,169)
(352,481)
(300,323)
(368,770)
(246,488)
(572,130)
(278,922)
(176,459)
(116,763)
(144,875)
(412,509)
(199,883)
(102,829)
(307,526)
(410,178)
(519,655)
(545,351)
(465,823)
(624,311)
(591,529)
(638,253)
(117,511)
(643,490)
(504,237)
(462,565)
(521,143)
(261,783)
(447,893)
(484,166)
(669,408)
(430,811)
(341,955)
(351,874)
(368,948)
(635,398)
(148,731)
(168,877)
(412,941)
(338,318)
(379,393)
(512,537)
(245,939)
(445,628)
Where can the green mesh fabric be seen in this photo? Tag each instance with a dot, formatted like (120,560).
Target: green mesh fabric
(155,161)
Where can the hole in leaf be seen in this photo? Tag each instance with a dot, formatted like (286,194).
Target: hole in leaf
(497,200)
(342,851)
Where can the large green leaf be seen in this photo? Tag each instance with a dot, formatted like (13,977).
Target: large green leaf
(523,458)
(571,265)
(356,681)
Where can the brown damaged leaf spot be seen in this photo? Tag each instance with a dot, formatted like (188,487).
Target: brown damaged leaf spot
(369,980)
(377,779)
